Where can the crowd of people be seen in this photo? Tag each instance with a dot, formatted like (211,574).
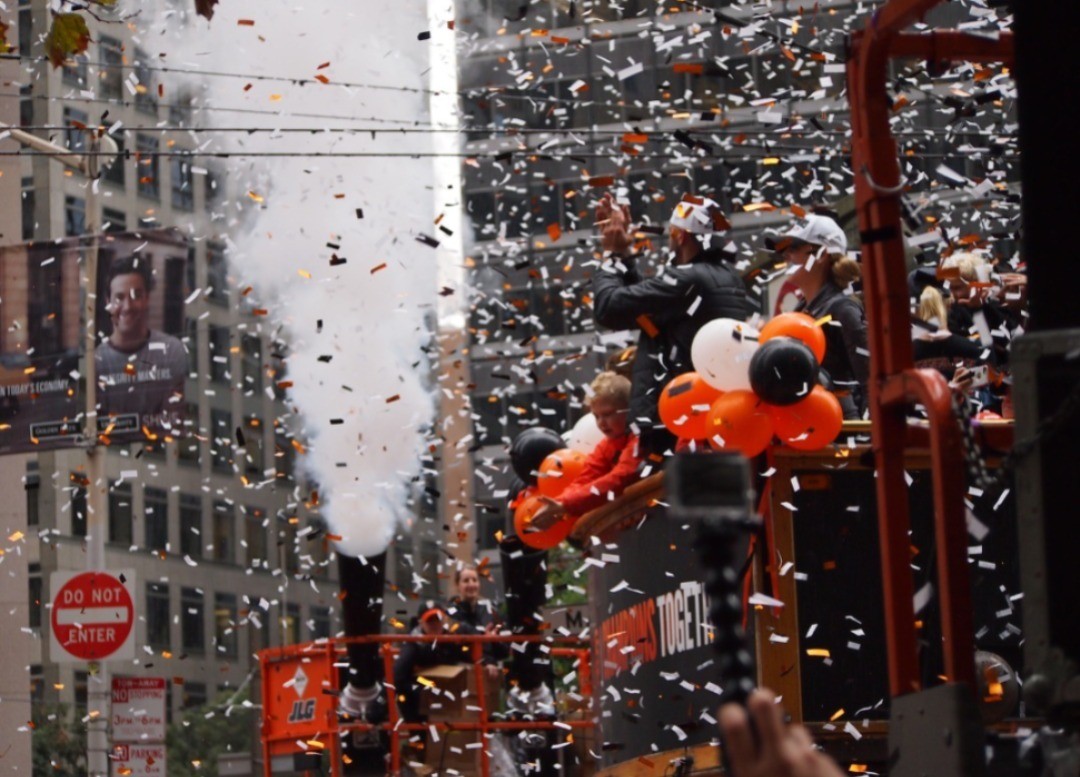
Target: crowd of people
(964,311)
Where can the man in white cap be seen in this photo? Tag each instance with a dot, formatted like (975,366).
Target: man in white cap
(815,249)
(669,308)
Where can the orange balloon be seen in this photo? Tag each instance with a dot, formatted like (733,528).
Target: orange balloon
(739,421)
(559,470)
(684,405)
(800,326)
(811,423)
(545,538)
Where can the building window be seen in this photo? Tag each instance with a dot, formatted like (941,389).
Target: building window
(290,626)
(114,173)
(181,110)
(111,75)
(80,688)
(75,136)
(78,505)
(194,695)
(74,216)
(191,525)
(192,610)
(35,596)
(120,514)
(251,365)
(254,462)
(26,31)
(225,636)
(33,495)
(29,202)
(255,550)
(183,196)
(145,91)
(320,623)
(156,508)
(189,449)
(221,450)
(157,616)
(147,164)
(75,70)
(114,220)
(224,532)
(217,274)
(26,103)
(219,353)
(215,188)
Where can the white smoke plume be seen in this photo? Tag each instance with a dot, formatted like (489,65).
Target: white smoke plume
(355,329)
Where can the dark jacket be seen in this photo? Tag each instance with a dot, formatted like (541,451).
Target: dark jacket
(475,620)
(669,310)
(847,356)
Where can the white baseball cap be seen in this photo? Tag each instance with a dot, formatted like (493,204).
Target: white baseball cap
(813,229)
(699,215)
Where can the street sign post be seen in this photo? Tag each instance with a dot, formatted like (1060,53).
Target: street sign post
(138,709)
(138,761)
(93,616)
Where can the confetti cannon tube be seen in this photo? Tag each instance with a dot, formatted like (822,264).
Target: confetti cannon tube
(362,582)
(525,576)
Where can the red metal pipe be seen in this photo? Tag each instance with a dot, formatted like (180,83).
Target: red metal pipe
(893,382)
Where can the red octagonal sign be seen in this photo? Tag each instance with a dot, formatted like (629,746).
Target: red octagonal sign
(92,615)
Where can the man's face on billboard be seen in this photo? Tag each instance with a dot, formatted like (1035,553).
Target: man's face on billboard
(129,308)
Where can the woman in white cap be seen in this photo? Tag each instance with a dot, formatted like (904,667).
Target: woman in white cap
(816,250)
(669,308)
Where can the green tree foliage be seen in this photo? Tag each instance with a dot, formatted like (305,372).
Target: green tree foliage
(194,743)
(58,742)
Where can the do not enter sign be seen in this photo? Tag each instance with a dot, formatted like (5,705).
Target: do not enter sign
(93,616)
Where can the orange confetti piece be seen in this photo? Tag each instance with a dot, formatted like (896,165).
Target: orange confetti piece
(247,87)
(559,39)
(255,197)
(818,652)
(394,398)
(323,66)
(646,325)
(245,22)
(298,446)
(634,137)
(321,78)
(378,267)
(837,715)
(693,68)
(602,180)
(554,232)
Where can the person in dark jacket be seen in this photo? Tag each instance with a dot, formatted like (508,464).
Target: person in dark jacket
(476,616)
(816,249)
(434,621)
(669,308)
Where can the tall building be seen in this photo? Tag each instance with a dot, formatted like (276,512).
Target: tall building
(228,555)
(566,100)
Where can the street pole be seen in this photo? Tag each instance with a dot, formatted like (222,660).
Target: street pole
(99,692)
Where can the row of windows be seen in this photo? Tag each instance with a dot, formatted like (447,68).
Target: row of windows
(228,533)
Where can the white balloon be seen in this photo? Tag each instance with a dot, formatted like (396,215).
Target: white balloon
(721,353)
(585,435)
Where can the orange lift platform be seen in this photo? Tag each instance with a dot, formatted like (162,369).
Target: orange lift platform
(302,730)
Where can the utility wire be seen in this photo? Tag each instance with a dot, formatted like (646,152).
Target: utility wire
(653,135)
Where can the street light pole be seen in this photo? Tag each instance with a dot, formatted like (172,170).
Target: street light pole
(99,691)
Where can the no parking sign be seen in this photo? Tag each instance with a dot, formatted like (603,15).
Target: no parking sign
(93,616)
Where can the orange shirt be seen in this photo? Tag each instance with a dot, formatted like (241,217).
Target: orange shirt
(611,467)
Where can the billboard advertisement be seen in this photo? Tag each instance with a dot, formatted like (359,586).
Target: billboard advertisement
(140,359)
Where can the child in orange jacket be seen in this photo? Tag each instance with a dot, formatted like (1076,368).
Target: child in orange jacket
(612,465)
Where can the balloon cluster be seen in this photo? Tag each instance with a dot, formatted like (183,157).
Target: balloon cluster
(539,457)
(750,386)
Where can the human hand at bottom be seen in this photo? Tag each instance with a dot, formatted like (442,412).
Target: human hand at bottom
(781,750)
